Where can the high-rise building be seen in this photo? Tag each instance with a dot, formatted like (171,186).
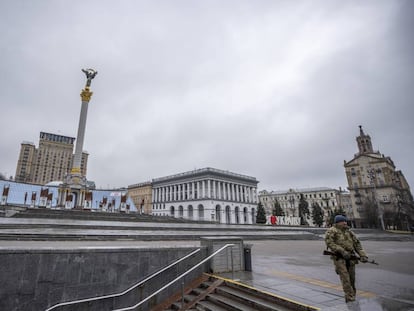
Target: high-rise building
(380,194)
(50,162)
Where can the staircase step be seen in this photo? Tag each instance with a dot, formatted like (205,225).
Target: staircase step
(229,304)
(250,298)
(209,306)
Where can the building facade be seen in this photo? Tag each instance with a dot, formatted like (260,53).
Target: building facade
(50,162)
(206,194)
(141,195)
(328,199)
(380,194)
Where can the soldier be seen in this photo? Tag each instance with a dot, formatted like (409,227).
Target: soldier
(344,243)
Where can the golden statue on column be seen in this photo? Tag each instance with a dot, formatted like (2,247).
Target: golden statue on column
(76,185)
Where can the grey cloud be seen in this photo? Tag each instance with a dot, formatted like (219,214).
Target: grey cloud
(272,89)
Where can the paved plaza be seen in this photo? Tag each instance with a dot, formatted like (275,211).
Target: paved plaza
(297,270)
(292,267)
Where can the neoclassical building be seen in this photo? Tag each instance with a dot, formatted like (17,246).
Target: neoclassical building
(329,199)
(377,189)
(206,194)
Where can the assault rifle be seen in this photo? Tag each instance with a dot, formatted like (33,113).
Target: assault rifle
(353,256)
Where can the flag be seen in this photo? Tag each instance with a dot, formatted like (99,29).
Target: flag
(44,192)
(6,191)
(123,198)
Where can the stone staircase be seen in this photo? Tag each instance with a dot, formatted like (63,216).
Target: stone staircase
(218,294)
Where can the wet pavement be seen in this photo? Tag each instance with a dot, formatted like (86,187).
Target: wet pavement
(294,269)
(297,270)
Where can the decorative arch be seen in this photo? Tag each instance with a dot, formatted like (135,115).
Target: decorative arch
(228,215)
(190,212)
(200,212)
(245,215)
(172,211)
(218,213)
(237,215)
(181,211)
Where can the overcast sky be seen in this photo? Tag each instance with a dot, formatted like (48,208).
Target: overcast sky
(270,89)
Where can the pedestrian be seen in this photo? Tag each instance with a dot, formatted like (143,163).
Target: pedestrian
(345,244)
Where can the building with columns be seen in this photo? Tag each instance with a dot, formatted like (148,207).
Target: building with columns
(380,194)
(206,194)
(329,199)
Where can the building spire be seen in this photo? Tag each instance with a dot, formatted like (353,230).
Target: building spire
(364,142)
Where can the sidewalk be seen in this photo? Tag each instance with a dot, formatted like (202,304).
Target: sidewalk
(320,295)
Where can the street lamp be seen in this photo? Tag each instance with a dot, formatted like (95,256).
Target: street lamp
(372,175)
(399,212)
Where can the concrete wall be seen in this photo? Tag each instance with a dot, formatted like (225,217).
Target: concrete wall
(37,279)
(230,259)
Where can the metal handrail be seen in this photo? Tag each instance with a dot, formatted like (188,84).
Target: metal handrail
(175,280)
(125,291)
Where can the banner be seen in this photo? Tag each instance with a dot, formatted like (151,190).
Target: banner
(33,199)
(49,200)
(104,204)
(68,202)
(123,202)
(43,197)
(87,203)
(283,220)
(5,195)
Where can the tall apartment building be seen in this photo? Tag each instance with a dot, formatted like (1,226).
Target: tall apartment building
(50,162)
(380,194)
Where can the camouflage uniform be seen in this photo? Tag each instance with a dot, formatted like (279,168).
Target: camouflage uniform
(342,240)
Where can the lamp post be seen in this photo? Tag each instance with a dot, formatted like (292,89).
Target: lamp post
(372,175)
(399,212)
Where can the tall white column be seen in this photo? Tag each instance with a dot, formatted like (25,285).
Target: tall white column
(189,193)
(219,190)
(214,189)
(208,189)
(228,193)
(198,190)
(193,191)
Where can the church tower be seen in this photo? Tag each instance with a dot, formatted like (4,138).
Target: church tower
(364,142)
